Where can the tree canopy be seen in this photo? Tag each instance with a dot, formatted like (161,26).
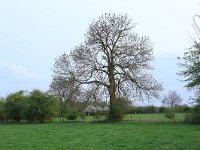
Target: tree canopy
(35,106)
(113,61)
(191,61)
(172,99)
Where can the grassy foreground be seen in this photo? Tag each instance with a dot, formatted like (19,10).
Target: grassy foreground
(94,136)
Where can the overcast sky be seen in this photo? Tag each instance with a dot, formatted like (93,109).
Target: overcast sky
(34,32)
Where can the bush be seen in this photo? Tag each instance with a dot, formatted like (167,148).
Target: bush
(186,109)
(169,113)
(33,106)
(120,107)
(41,106)
(143,110)
(2,115)
(194,116)
(71,113)
(14,106)
(182,109)
(72,116)
(161,109)
(151,109)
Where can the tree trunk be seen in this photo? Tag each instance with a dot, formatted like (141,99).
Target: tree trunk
(112,90)
(112,111)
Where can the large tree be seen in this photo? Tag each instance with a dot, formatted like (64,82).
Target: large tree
(191,71)
(191,63)
(113,60)
(191,66)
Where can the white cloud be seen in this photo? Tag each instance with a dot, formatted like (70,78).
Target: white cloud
(19,71)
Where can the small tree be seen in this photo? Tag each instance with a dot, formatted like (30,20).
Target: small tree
(161,109)
(121,106)
(14,106)
(42,106)
(65,90)
(171,99)
(71,113)
(169,113)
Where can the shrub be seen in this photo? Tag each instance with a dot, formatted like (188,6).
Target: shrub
(194,116)
(2,115)
(41,106)
(14,106)
(120,107)
(33,106)
(161,109)
(186,109)
(71,113)
(151,109)
(72,116)
(169,113)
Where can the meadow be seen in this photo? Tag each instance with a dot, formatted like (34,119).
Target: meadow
(126,135)
(179,117)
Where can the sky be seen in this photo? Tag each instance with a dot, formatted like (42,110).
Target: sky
(34,33)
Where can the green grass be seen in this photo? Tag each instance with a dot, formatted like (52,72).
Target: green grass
(135,118)
(94,136)
(152,117)
(137,131)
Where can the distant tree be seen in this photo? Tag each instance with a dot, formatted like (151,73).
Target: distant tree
(171,99)
(66,90)
(161,109)
(183,109)
(113,59)
(151,109)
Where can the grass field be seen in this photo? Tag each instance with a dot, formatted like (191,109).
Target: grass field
(179,117)
(136,118)
(137,131)
(99,136)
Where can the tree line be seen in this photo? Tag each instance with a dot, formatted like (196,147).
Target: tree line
(35,106)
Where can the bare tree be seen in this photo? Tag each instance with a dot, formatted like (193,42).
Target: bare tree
(66,90)
(113,59)
(171,99)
